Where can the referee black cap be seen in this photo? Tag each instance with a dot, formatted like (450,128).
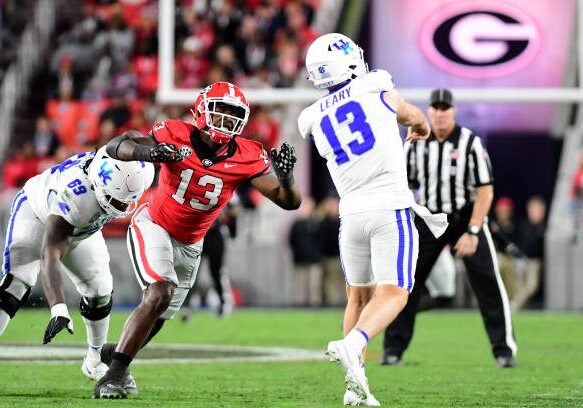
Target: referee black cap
(441,96)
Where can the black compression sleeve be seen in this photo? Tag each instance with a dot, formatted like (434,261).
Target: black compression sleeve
(113,145)
(142,153)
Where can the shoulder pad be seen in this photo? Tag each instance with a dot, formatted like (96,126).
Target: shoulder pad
(377,80)
(250,143)
(74,201)
(172,131)
(254,150)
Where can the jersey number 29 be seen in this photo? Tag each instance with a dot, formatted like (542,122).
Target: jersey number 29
(211,195)
(358,125)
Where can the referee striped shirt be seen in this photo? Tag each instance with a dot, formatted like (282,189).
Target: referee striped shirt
(446,173)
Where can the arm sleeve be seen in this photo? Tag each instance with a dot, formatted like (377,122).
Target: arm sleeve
(480,166)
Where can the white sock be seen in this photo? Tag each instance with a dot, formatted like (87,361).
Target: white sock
(4,320)
(357,338)
(96,335)
(94,354)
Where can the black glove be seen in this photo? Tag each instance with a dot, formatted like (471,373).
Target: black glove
(283,162)
(161,152)
(512,250)
(60,320)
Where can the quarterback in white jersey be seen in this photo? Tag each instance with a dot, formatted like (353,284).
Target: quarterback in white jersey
(355,128)
(57,217)
(356,131)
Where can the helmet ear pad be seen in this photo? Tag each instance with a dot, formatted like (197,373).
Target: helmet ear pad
(199,112)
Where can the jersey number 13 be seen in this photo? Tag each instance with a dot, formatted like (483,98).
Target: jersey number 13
(211,195)
(358,125)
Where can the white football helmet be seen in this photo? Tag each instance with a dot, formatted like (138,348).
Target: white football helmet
(118,185)
(334,58)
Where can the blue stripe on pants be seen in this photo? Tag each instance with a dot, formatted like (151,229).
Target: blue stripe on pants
(20,198)
(401,250)
(410,259)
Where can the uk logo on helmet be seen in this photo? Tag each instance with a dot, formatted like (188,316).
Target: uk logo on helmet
(105,172)
(343,46)
(480,39)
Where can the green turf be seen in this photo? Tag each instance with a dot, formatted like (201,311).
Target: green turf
(448,365)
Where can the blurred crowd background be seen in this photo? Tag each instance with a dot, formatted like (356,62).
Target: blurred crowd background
(100,77)
(102,73)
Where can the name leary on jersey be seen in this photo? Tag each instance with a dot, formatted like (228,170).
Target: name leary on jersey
(333,99)
(65,190)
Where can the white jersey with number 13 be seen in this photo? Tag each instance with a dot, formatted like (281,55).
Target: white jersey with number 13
(356,131)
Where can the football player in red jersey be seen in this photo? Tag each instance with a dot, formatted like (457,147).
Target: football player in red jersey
(201,166)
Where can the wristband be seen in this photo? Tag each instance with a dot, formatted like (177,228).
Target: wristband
(60,309)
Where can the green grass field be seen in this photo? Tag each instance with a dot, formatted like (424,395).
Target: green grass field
(448,365)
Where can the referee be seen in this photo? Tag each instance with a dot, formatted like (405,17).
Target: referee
(453,173)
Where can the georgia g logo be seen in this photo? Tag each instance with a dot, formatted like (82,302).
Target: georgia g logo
(479,39)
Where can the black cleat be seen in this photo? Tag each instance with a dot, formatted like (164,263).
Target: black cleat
(506,361)
(391,359)
(110,388)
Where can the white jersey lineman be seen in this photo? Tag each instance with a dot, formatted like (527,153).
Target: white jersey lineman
(356,131)
(59,214)
(63,190)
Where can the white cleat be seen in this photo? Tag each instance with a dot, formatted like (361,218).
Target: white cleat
(350,398)
(352,364)
(129,384)
(93,369)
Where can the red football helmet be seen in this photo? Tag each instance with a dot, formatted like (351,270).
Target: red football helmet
(222,110)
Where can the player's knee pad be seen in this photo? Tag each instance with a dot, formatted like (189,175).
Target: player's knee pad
(13,294)
(96,308)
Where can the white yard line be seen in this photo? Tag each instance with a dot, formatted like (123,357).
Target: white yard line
(49,355)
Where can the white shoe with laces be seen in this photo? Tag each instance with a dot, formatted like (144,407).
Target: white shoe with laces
(93,368)
(352,364)
(350,398)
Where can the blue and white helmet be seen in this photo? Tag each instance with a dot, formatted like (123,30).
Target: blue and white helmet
(118,185)
(334,58)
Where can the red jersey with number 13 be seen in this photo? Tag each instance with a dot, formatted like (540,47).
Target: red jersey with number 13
(191,193)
